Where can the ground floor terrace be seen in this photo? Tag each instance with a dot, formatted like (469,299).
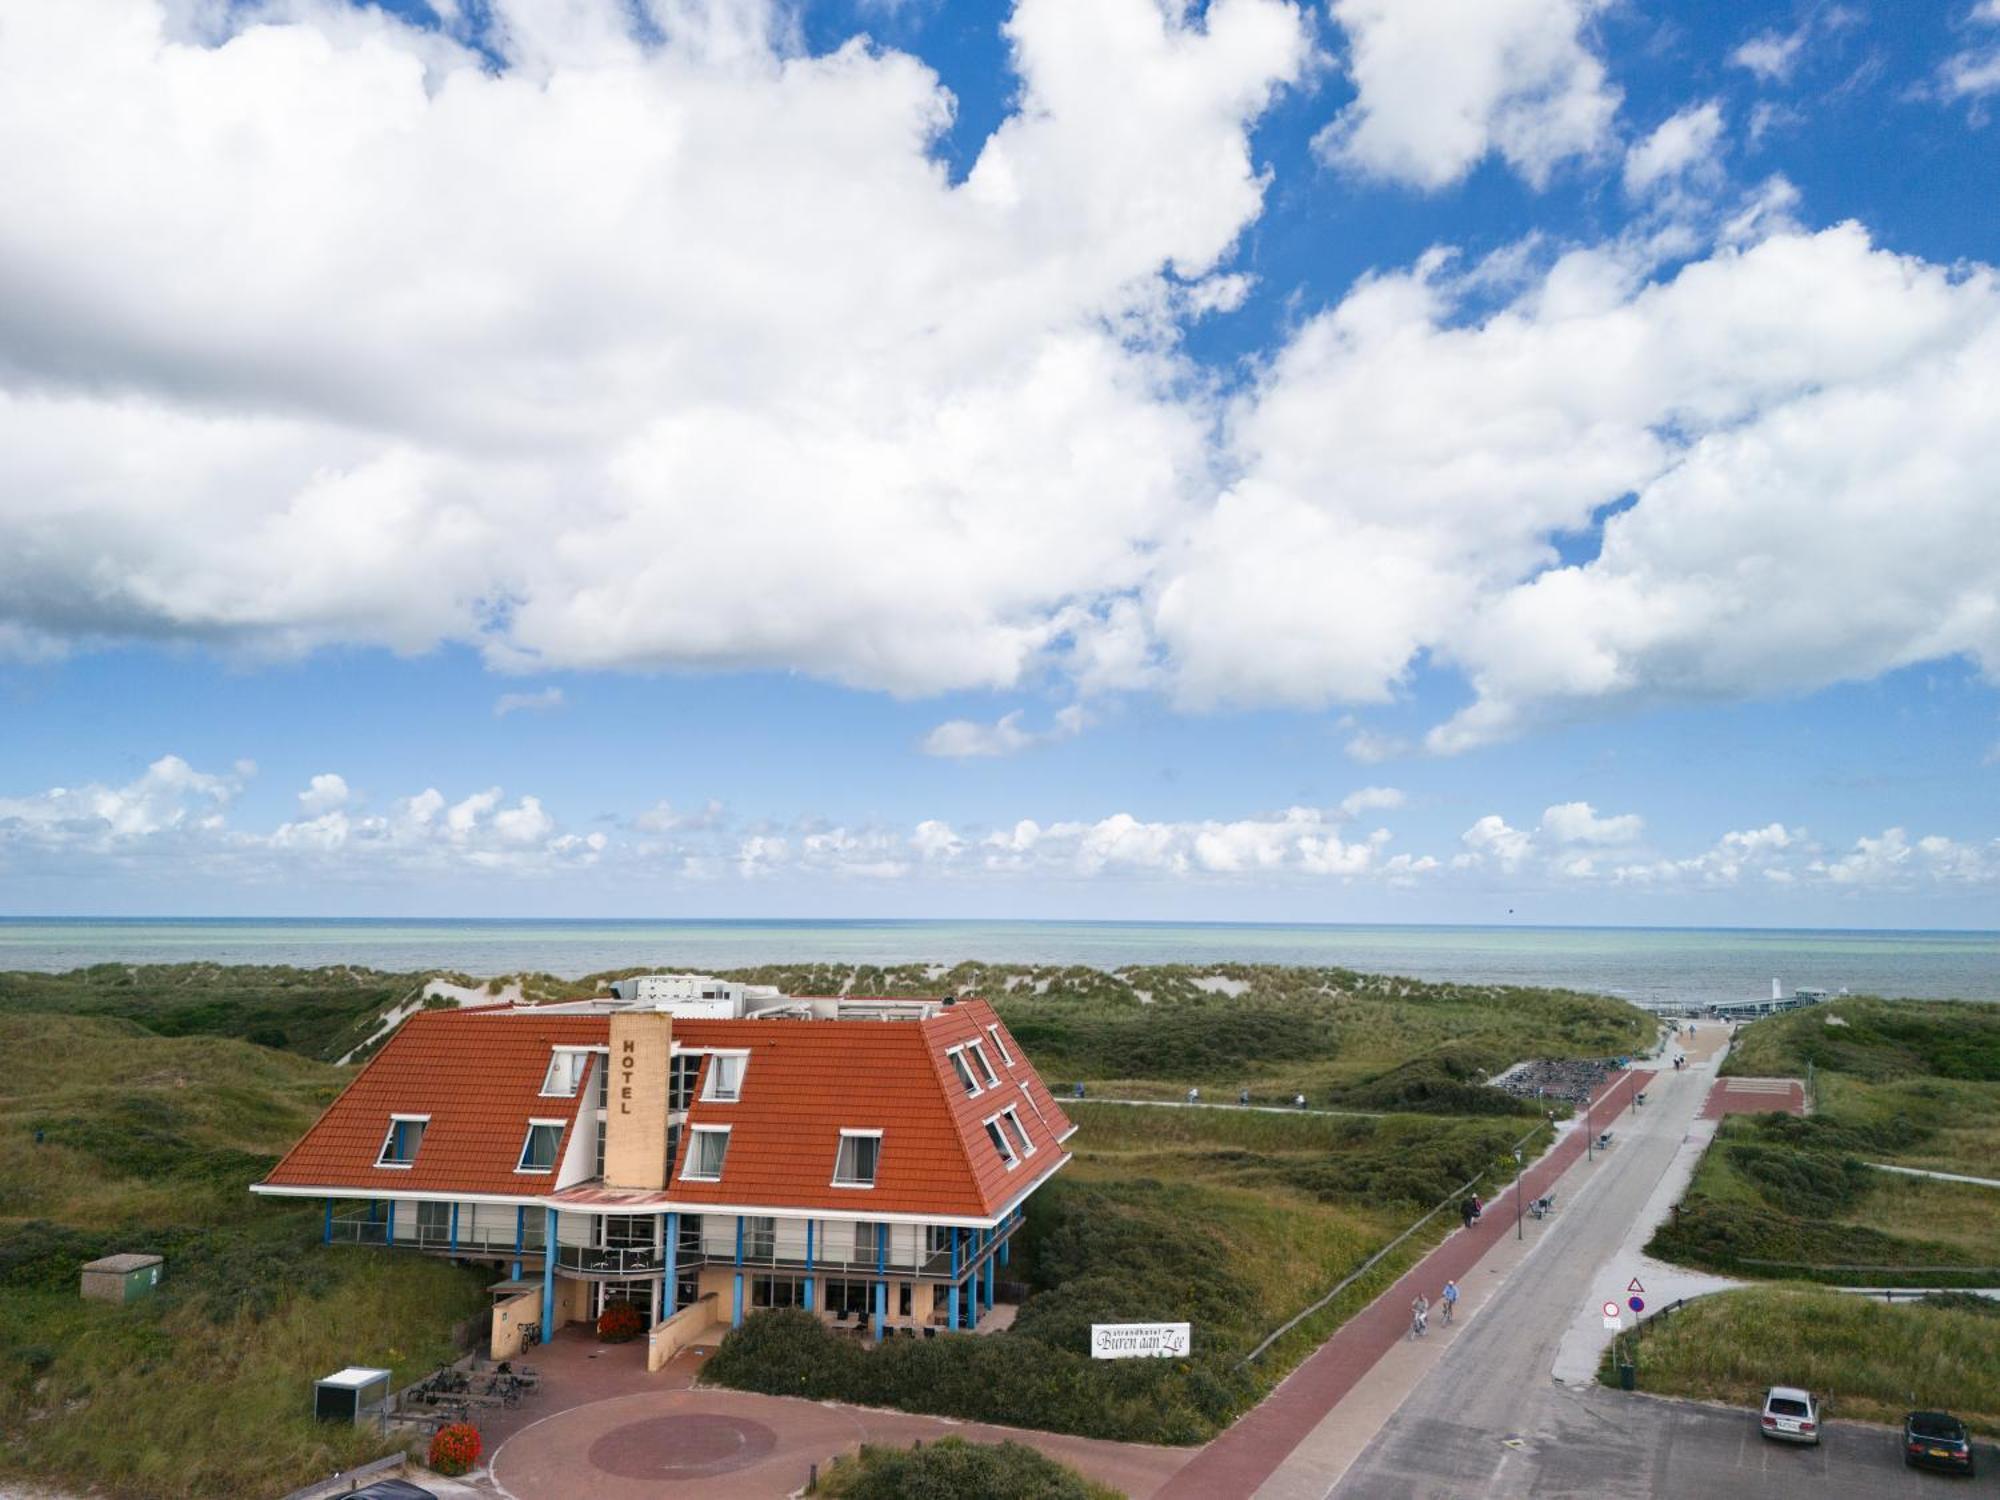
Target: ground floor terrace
(702,1271)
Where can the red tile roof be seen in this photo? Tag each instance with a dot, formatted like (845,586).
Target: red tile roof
(479,1074)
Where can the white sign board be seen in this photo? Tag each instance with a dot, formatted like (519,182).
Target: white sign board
(1613,1316)
(1139,1340)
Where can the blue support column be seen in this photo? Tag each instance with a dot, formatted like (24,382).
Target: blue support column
(520,1236)
(736,1306)
(454,1227)
(549,1218)
(954,1279)
(670,1280)
(739,1242)
(328,1239)
(989,1283)
(389,1234)
(881,1287)
(809,1265)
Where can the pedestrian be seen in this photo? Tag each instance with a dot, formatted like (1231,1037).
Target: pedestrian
(1298,1101)
(1243,1097)
(1468,1210)
(1079,1091)
(1478,1208)
(1449,1297)
(1194,1096)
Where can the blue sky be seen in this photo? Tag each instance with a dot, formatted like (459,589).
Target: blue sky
(1423,462)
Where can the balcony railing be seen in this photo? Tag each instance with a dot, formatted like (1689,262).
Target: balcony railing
(638,1260)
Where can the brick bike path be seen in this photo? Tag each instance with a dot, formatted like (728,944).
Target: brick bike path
(1242,1458)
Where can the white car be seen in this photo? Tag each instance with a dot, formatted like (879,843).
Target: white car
(1790,1415)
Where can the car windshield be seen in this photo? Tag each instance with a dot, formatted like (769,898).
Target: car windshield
(1932,1424)
(1788,1406)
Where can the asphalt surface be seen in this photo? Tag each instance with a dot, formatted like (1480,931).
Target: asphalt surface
(1490,1420)
(1611,1446)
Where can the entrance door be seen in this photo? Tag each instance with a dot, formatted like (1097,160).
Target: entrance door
(636,1294)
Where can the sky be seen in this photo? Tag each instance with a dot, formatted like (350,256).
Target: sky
(1374,460)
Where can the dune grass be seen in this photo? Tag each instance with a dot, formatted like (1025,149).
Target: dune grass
(1872,1361)
(149,1144)
(954,1469)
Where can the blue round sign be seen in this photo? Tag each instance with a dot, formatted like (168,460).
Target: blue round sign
(1637,1304)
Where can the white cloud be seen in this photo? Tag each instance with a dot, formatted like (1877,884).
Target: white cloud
(1368,747)
(536,702)
(1578,823)
(1441,84)
(631,352)
(964,739)
(325,792)
(1771,55)
(1492,837)
(1371,799)
(1974,71)
(168,797)
(1682,148)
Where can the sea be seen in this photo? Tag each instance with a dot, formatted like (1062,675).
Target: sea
(1647,965)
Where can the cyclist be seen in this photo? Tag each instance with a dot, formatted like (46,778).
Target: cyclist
(1449,1297)
(1420,1309)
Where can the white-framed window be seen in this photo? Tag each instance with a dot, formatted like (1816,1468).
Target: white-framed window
(1013,1120)
(565,1075)
(990,1078)
(963,1069)
(399,1146)
(707,1146)
(725,1077)
(1000,1046)
(859,1155)
(1028,1094)
(540,1149)
(1002,1143)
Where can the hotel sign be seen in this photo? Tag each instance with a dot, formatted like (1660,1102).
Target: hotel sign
(1139,1340)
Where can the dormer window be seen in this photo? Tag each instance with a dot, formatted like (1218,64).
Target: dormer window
(725,1078)
(707,1146)
(565,1074)
(1019,1131)
(1002,1144)
(1000,1046)
(963,1069)
(987,1076)
(538,1151)
(399,1147)
(855,1163)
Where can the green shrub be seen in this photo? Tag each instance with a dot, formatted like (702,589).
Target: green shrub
(954,1469)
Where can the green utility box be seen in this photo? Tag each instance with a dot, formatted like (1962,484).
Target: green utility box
(122,1278)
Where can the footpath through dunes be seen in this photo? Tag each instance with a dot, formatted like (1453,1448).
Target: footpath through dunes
(1250,1452)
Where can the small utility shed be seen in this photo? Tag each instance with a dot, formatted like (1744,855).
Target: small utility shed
(121,1278)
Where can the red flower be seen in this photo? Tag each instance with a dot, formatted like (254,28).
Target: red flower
(620,1323)
(455,1449)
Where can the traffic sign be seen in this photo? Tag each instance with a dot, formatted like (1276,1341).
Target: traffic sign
(1611,1309)
(1633,1287)
(1637,1304)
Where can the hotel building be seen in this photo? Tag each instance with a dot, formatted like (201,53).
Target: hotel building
(697,1149)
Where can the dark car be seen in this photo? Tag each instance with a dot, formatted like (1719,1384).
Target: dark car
(1936,1440)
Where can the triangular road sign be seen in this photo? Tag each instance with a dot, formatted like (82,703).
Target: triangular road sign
(1634,1288)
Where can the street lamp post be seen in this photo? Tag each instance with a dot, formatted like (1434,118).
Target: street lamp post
(1589,1135)
(1519,1233)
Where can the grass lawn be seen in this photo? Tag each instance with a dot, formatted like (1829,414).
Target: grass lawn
(1872,1361)
(954,1469)
(1910,1083)
(204,1389)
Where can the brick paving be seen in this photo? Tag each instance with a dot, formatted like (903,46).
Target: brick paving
(1242,1458)
(1754,1096)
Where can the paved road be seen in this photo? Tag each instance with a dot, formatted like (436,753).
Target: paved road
(1610,1446)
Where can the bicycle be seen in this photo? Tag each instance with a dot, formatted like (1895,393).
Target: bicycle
(1449,1304)
(1419,1325)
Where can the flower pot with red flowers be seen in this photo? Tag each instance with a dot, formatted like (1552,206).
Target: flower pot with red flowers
(620,1323)
(455,1449)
